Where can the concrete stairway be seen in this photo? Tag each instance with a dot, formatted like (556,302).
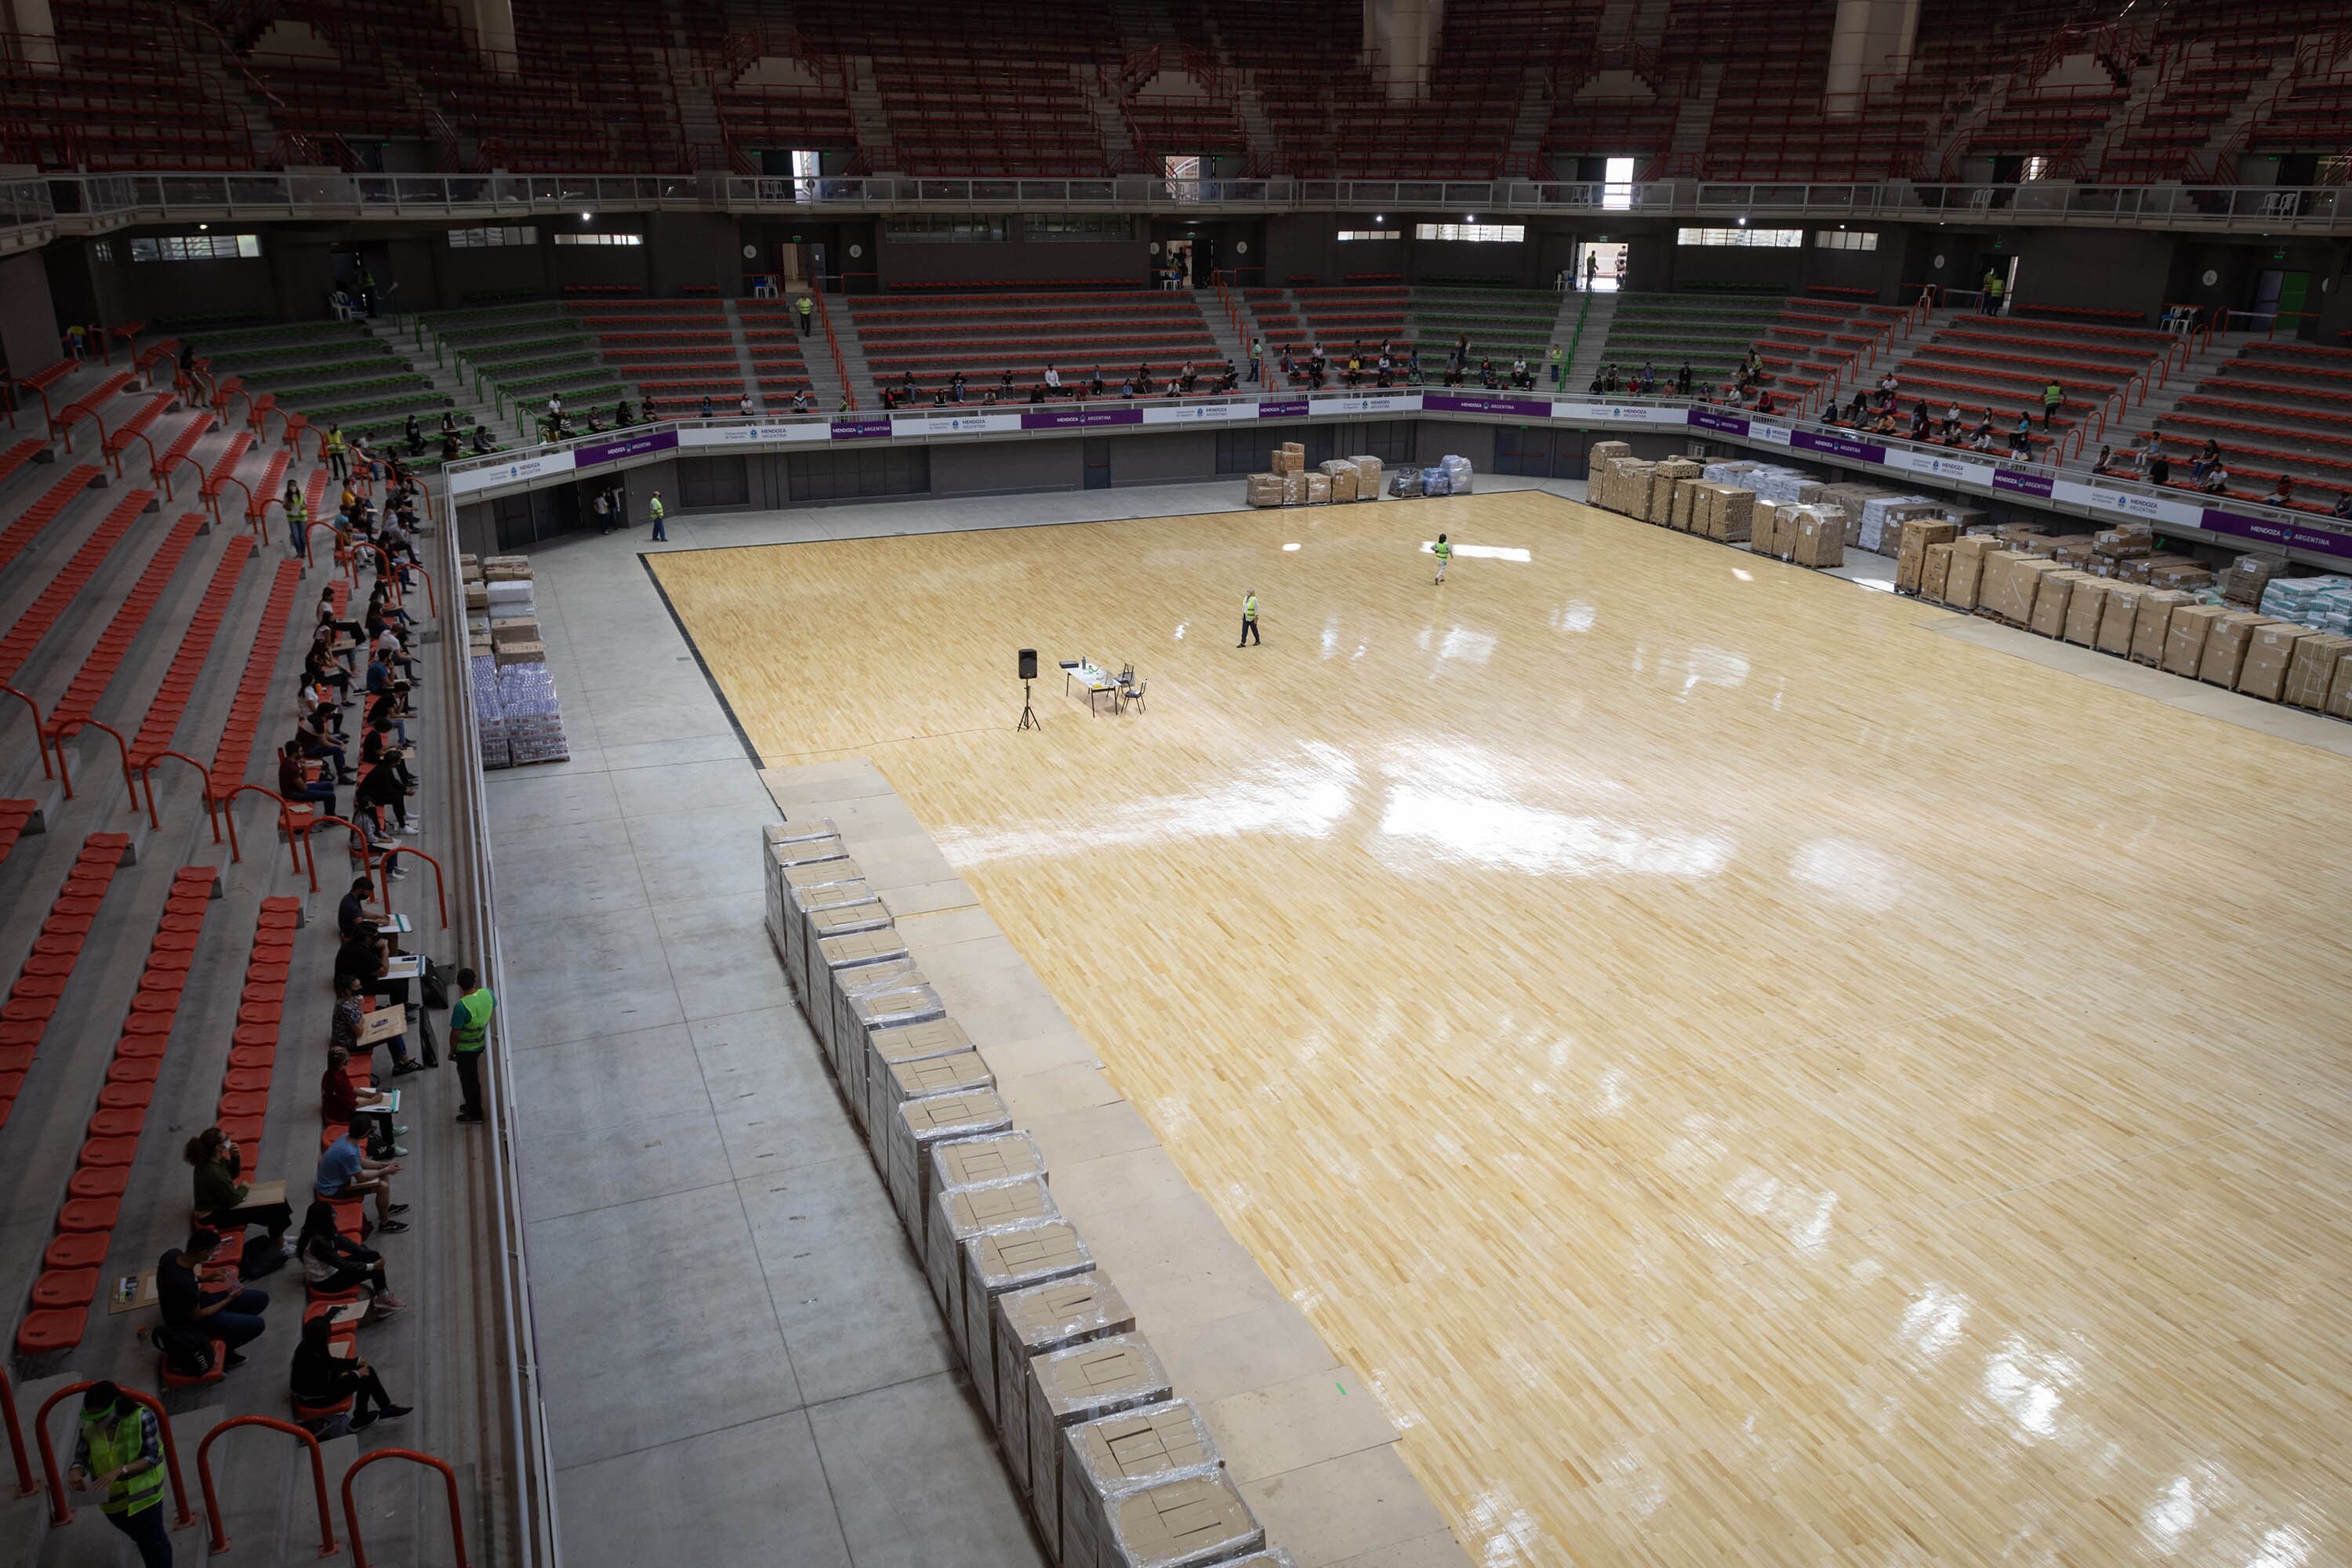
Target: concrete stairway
(468,404)
(871,121)
(852,360)
(2144,416)
(1524,157)
(1221,329)
(1586,363)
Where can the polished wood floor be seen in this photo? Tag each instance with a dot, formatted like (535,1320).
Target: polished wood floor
(1747,1078)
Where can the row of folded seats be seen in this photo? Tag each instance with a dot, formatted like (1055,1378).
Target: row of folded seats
(2275,408)
(2007,361)
(681,351)
(936,335)
(1813,339)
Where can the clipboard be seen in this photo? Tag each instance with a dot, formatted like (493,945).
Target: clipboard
(380,1025)
(130,1293)
(406,966)
(395,925)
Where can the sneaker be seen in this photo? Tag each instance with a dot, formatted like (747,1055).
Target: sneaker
(399,872)
(394,1412)
(388,1302)
(398,1152)
(231,1362)
(364,1420)
(402,1068)
(288,1246)
(469,1116)
(400,1130)
(392,1226)
(397,1208)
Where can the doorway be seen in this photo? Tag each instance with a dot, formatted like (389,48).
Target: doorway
(1176,263)
(1601,265)
(364,272)
(2281,293)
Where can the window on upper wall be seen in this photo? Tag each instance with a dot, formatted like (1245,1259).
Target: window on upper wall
(484,238)
(1757,239)
(1472,233)
(978,227)
(1845,239)
(104,251)
(1065,226)
(1352,234)
(196,248)
(600,239)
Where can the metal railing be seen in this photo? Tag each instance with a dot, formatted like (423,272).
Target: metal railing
(92,203)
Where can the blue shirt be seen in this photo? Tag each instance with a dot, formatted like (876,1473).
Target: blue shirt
(338,1166)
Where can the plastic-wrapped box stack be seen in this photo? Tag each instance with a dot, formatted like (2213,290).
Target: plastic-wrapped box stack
(489,718)
(2248,577)
(1339,474)
(1368,478)
(1262,489)
(2322,603)
(519,720)
(1457,474)
(1117,1471)
(1773,483)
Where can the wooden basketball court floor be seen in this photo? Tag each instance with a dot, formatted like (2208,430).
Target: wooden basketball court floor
(1747,1077)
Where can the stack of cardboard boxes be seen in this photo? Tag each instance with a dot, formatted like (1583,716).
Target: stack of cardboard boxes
(1290,483)
(518,719)
(1116,1468)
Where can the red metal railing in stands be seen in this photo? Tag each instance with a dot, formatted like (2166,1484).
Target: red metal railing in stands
(383,878)
(284,817)
(327,1545)
(146,770)
(41,735)
(311,849)
(840,366)
(61,1512)
(449,1480)
(130,780)
(24,1487)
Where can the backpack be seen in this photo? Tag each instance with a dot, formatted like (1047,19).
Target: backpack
(261,1255)
(187,1351)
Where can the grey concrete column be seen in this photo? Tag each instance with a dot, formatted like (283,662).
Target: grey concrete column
(31,21)
(1401,44)
(1873,39)
(489,24)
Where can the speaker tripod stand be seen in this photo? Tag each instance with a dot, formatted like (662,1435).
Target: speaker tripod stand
(1028,714)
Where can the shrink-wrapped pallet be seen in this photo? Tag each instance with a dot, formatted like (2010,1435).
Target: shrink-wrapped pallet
(1032,1321)
(1262,490)
(1293,488)
(1117,1455)
(1369,479)
(1340,475)
(1318,489)
(996,1263)
(1820,540)
(2247,576)
(2152,624)
(1069,1387)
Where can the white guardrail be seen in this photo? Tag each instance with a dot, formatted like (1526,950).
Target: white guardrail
(2071,489)
(92,203)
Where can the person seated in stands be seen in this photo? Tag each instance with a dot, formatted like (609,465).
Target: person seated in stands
(1858,408)
(707,409)
(382,792)
(333,1263)
(1126,387)
(2106,461)
(2216,481)
(320,1377)
(1832,417)
(482,441)
(2281,493)
(621,417)
(743,406)
(387,646)
(2021,437)
(295,787)
(231,1316)
(804,402)
(1352,376)
(1952,424)
(1887,425)
(1287,366)
(1763,400)
(1595,389)
(323,672)
(1187,378)
(341,1100)
(346,1172)
(317,746)
(1919,420)
(1037,392)
(938,397)
(1682,379)
(1486,376)
(595,425)
(2205,460)
(349,1014)
(2343,507)
(1981,440)
(1173,388)
(1412,367)
(318,709)
(1384,368)
(1318,368)
(987,400)
(221,1189)
(1095,383)
(450,445)
(1230,378)
(889,399)
(2159,467)
(1886,388)
(1052,380)
(414,436)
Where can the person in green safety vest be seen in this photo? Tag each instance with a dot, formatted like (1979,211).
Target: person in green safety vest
(808,303)
(1445,553)
(338,461)
(654,510)
(1558,370)
(1991,293)
(298,519)
(469,1038)
(121,1448)
(1249,620)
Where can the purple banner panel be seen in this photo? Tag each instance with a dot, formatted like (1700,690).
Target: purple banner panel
(1290,410)
(1079,418)
(2287,535)
(2019,481)
(1709,419)
(1524,407)
(1837,446)
(613,451)
(859,429)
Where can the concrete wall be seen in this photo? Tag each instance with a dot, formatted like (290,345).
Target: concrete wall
(1163,459)
(1005,467)
(29,328)
(913,262)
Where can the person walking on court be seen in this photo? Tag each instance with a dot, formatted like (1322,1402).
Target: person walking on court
(469,1038)
(654,507)
(1249,620)
(1445,553)
(120,1447)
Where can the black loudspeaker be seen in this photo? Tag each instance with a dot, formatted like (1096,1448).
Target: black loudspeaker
(1028,664)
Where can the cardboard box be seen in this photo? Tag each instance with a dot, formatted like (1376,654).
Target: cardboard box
(1029,1323)
(923,1122)
(1184,1519)
(886,1049)
(1368,478)
(996,1262)
(2340,688)
(1293,488)
(2021,587)
(832,909)
(2226,644)
(957,1218)
(1600,452)
(2153,627)
(843,1043)
(1342,473)
(987,1161)
(2184,575)
(513,629)
(1820,537)
(1681,507)
(2243,581)
(1318,489)
(2084,608)
(905,1080)
(2268,658)
(2314,668)
(1079,1383)
(871,999)
(477,598)
(1262,489)
(1964,585)
(1935,572)
(1658,506)
(2052,598)
(1118,1454)
(2118,608)
(1911,553)
(1288,462)
(1734,512)
(2124,539)
(519,652)
(2184,637)
(1764,527)
(831,958)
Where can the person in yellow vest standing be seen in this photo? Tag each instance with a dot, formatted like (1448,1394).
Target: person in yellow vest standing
(661,534)
(469,1038)
(298,519)
(338,455)
(1249,620)
(121,1448)
(807,305)
(1445,553)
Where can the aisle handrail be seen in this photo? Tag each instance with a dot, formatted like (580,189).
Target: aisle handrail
(383,878)
(351,1512)
(24,1487)
(327,1547)
(61,1512)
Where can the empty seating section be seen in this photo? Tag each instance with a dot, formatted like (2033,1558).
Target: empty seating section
(531,353)
(14,814)
(224,469)
(933,335)
(771,337)
(43,511)
(97,668)
(674,350)
(41,981)
(183,449)
(18,456)
(1344,319)
(88,405)
(243,1108)
(1812,339)
(2005,364)
(170,703)
(1709,332)
(755,116)
(135,423)
(233,754)
(331,371)
(66,1286)
(1185,124)
(33,624)
(269,491)
(2275,408)
(130,95)
(1503,324)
